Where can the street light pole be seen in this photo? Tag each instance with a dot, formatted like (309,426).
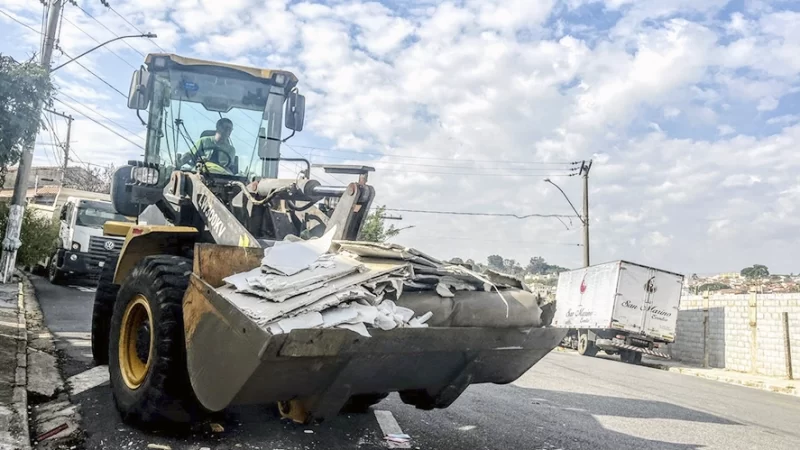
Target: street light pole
(584,218)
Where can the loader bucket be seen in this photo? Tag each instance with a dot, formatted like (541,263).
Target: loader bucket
(231,360)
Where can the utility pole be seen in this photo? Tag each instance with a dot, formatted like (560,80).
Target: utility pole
(585,167)
(66,143)
(11,242)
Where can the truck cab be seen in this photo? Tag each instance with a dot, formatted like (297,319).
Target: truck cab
(82,247)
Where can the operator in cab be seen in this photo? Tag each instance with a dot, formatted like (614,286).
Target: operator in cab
(216,150)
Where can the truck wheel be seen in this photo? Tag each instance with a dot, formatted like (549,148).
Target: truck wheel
(54,275)
(359,404)
(104,299)
(147,357)
(631,357)
(585,346)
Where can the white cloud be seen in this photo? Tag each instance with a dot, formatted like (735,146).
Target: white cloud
(660,100)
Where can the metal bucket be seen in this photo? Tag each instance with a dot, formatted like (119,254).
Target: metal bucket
(231,360)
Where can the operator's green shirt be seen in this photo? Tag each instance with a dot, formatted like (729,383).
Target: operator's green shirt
(209,148)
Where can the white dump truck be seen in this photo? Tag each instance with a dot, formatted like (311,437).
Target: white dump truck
(619,307)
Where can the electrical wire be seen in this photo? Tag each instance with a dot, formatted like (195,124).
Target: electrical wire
(397,155)
(133,26)
(477,174)
(103,80)
(3,12)
(101,115)
(104,48)
(530,169)
(506,241)
(459,213)
(110,30)
(98,122)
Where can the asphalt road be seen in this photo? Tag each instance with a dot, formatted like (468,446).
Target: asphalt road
(564,402)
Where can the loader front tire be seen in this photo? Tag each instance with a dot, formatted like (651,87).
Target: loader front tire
(585,346)
(147,355)
(104,299)
(360,403)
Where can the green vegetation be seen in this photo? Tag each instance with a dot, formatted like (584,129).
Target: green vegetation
(39,236)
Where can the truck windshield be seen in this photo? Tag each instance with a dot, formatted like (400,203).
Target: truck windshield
(95,217)
(186,108)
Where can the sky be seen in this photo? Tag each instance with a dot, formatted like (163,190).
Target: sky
(689,110)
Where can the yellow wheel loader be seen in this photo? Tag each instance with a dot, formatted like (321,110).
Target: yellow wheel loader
(172,317)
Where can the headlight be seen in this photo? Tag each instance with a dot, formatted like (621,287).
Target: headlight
(280,79)
(76,246)
(73,257)
(145,175)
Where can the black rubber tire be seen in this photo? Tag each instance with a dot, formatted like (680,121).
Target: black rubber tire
(418,398)
(585,346)
(104,299)
(359,404)
(165,397)
(631,357)
(54,275)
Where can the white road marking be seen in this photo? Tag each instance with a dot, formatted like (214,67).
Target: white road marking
(87,380)
(389,426)
(83,288)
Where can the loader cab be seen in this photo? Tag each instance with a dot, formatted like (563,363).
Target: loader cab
(185,97)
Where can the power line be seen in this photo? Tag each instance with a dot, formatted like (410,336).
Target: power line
(109,30)
(19,22)
(477,174)
(458,213)
(103,80)
(104,48)
(505,241)
(101,115)
(530,169)
(96,121)
(132,25)
(397,155)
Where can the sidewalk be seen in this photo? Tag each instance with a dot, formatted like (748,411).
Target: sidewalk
(763,382)
(13,346)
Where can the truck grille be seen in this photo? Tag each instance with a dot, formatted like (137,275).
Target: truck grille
(101,247)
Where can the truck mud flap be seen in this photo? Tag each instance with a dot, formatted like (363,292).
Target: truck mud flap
(231,360)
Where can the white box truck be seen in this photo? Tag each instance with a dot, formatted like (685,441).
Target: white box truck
(619,307)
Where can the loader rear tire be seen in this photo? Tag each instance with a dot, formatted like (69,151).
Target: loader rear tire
(359,404)
(104,299)
(147,357)
(585,346)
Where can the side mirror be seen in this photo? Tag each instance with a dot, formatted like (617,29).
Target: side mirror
(121,196)
(138,95)
(63,214)
(295,111)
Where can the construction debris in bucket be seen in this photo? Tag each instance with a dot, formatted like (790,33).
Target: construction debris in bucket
(319,283)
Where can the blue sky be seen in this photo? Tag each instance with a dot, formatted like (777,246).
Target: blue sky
(689,108)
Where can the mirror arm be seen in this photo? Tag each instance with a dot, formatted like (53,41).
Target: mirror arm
(288,137)
(138,111)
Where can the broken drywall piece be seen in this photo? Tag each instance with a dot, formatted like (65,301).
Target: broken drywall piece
(303,321)
(444,291)
(291,257)
(356,327)
(419,322)
(337,316)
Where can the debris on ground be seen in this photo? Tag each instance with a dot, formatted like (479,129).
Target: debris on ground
(357,286)
(398,438)
(216,428)
(159,447)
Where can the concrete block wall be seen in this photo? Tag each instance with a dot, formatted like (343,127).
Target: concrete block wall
(730,336)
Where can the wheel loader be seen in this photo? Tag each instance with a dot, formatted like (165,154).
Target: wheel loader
(178,347)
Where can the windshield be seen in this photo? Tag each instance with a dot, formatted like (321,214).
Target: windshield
(96,217)
(187,107)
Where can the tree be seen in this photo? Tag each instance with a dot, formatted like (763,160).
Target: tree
(712,287)
(93,179)
(24,88)
(39,236)
(495,262)
(538,266)
(756,271)
(374,230)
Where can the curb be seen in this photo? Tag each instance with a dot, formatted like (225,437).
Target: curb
(20,396)
(755,384)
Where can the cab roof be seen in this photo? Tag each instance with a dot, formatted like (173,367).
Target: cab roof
(265,74)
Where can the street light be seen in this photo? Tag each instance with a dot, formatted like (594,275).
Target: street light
(145,35)
(584,218)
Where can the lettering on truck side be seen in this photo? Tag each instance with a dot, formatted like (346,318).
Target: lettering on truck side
(655,313)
